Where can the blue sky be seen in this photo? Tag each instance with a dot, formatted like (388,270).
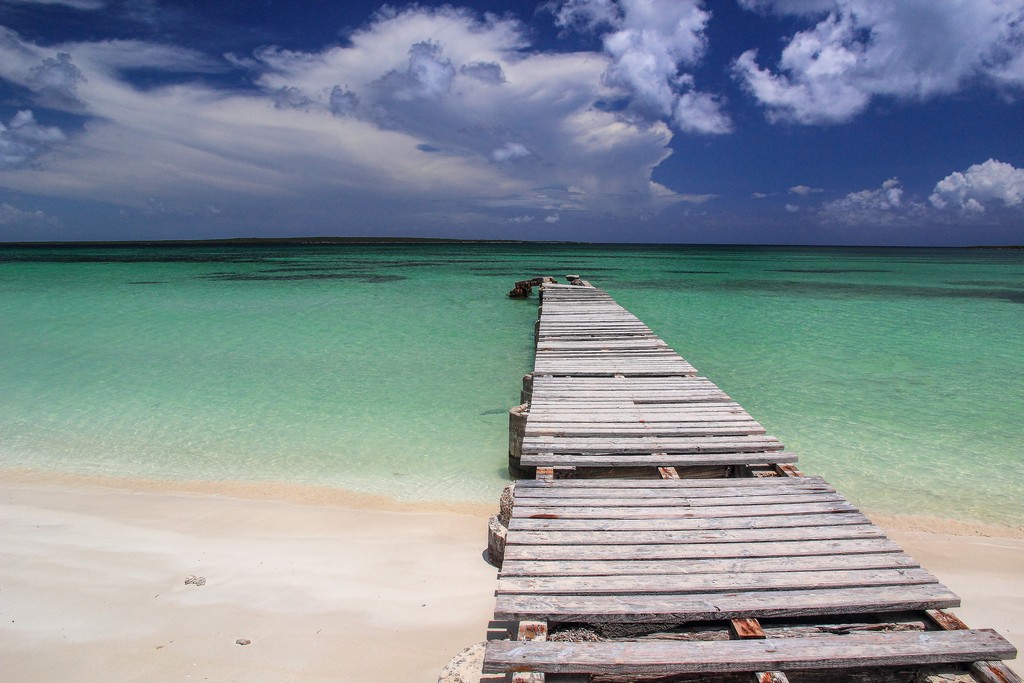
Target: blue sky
(727,121)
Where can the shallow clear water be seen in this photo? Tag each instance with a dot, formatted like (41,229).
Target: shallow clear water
(897,374)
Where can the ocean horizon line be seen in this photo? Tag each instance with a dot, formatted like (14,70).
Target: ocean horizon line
(329,240)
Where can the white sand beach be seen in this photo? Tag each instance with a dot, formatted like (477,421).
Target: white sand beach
(324,586)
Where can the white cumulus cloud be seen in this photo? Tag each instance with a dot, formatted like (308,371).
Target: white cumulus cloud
(649,41)
(510,151)
(23,139)
(980,185)
(861,49)
(885,205)
(402,123)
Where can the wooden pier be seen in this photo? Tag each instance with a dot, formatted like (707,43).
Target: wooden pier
(657,533)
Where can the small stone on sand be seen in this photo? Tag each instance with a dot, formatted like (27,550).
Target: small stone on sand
(243,641)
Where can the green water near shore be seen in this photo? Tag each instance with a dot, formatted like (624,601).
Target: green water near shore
(897,374)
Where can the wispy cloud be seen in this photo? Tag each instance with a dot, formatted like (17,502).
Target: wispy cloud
(87,5)
(12,216)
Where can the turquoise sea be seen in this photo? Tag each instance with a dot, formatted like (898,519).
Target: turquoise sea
(898,374)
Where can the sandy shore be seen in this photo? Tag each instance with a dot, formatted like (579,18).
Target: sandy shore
(92,583)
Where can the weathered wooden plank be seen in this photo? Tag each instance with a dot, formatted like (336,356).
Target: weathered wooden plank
(646,384)
(696,496)
(655,459)
(663,658)
(632,413)
(687,551)
(634,417)
(695,403)
(755,522)
(600,357)
(559,386)
(981,671)
(640,430)
(887,560)
(613,369)
(617,538)
(655,352)
(655,402)
(655,396)
(608,401)
(595,333)
(601,360)
(586,396)
(725,605)
(584,366)
(673,484)
(692,584)
(544,425)
(580,393)
(623,382)
(528,494)
(761,502)
(599,369)
(671,445)
(610,345)
(598,384)
(676,512)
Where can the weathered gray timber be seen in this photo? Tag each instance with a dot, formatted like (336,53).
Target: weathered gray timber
(607,392)
(654,515)
(666,658)
(584,333)
(776,571)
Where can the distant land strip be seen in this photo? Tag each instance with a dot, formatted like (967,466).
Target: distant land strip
(306,241)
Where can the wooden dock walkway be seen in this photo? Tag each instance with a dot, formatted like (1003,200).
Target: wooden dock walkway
(667,537)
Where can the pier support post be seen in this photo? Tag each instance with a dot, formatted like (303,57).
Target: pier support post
(526,394)
(516,429)
(496,535)
(497,527)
